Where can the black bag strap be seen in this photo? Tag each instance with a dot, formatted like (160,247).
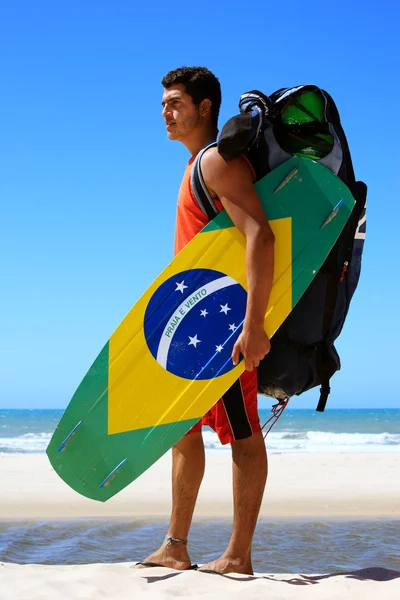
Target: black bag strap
(199,188)
(325,371)
(360,196)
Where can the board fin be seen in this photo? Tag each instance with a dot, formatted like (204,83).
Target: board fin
(68,438)
(287,179)
(333,214)
(113,473)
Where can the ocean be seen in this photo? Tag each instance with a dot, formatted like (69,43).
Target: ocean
(297,431)
(280,545)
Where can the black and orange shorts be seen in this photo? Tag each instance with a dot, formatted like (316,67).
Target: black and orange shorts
(235,415)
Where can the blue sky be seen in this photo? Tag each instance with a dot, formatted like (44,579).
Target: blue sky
(89,179)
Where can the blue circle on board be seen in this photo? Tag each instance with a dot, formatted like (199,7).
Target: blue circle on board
(192,322)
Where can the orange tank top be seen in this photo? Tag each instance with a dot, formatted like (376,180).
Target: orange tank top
(190,219)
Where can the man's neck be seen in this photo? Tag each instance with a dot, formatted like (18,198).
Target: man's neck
(200,141)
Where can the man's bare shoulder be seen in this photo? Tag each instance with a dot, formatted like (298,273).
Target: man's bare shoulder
(213,161)
(216,169)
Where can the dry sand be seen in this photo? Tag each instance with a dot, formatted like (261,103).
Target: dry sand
(298,486)
(122,582)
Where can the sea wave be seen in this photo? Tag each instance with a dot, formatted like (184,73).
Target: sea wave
(285,442)
(29,442)
(312,442)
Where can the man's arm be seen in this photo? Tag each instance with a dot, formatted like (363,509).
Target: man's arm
(232,183)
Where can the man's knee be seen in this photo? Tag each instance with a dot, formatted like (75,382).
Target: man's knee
(190,443)
(253,445)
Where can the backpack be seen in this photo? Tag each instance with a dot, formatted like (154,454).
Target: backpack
(300,121)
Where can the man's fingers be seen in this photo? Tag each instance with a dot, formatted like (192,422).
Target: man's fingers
(235,354)
(251,360)
(249,365)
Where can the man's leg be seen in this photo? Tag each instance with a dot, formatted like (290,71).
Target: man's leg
(188,463)
(250,470)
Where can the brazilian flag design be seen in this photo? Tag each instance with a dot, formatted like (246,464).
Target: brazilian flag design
(169,360)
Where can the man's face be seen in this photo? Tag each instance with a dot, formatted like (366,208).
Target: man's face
(179,112)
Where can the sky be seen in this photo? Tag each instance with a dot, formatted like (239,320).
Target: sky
(89,179)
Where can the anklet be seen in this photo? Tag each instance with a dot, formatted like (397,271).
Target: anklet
(171,540)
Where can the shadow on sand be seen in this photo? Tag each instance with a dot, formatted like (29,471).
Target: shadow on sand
(369,573)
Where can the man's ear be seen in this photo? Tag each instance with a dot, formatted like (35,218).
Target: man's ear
(205,107)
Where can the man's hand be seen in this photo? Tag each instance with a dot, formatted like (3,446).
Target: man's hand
(253,344)
(232,183)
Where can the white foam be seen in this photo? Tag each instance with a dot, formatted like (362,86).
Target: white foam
(29,442)
(285,442)
(310,442)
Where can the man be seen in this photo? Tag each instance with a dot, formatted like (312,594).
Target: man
(191,103)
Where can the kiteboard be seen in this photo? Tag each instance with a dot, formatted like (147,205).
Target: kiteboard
(169,360)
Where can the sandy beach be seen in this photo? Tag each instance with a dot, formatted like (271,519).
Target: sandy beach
(299,485)
(330,485)
(122,582)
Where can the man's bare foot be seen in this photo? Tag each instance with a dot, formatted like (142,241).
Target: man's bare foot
(172,556)
(226,565)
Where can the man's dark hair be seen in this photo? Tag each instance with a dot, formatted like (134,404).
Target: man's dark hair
(200,84)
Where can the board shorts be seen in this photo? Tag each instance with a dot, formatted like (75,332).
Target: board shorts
(235,415)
